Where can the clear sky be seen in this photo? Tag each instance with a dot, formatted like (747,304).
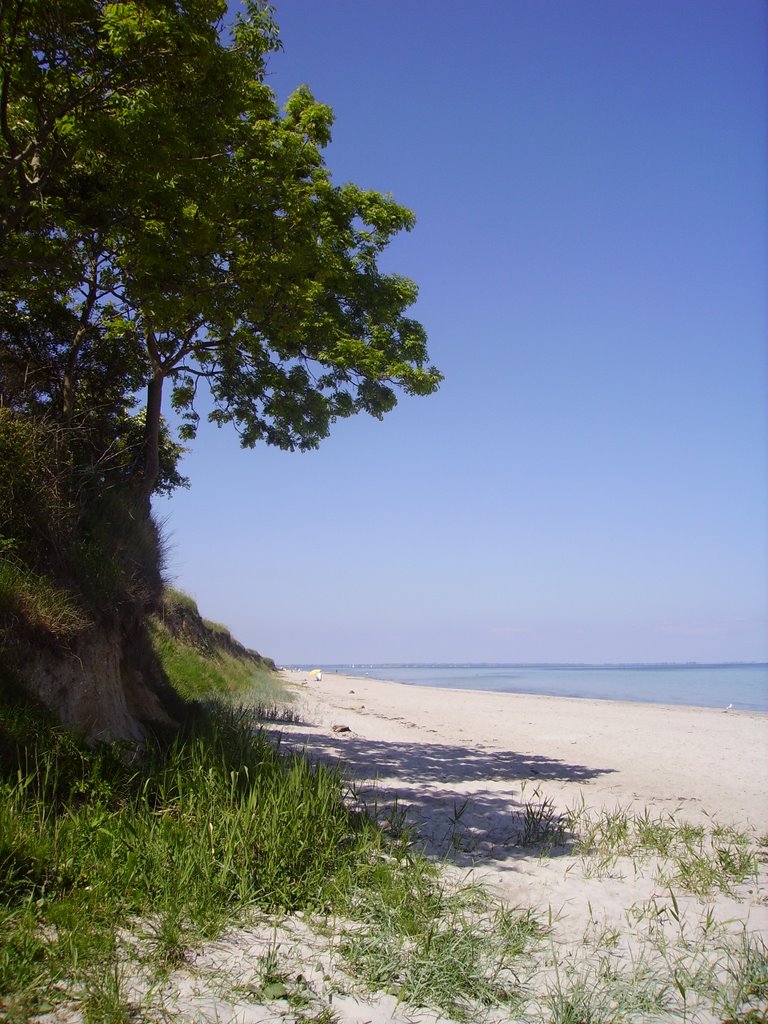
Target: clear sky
(591,481)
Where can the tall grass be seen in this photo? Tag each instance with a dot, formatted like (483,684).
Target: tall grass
(213,823)
(35,600)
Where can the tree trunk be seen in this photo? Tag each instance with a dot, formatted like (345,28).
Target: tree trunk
(151,455)
(68,388)
(69,380)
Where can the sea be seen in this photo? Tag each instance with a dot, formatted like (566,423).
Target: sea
(738,687)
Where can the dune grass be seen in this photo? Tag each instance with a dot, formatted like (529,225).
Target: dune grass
(88,840)
(200,830)
(439,945)
(216,825)
(695,859)
(203,830)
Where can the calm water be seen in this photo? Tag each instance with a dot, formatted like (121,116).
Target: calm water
(714,686)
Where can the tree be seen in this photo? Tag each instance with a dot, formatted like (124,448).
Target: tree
(164,230)
(167,223)
(73,71)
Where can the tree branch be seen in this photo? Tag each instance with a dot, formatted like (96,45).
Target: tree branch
(69,381)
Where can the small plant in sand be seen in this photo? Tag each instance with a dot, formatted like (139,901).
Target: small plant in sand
(603,988)
(168,941)
(667,966)
(456,834)
(277,981)
(323,1016)
(721,861)
(101,996)
(744,966)
(575,1001)
(541,823)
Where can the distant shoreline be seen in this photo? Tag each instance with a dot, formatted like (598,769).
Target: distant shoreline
(357,666)
(725,686)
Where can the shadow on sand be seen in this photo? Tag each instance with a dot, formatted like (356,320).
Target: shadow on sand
(466,803)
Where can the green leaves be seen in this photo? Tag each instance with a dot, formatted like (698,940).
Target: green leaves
(305,115)
(171,223)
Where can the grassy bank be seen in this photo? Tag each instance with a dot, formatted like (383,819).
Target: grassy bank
(198,831)
(203,660)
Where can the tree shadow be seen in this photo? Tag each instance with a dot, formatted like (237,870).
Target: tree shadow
(464,802)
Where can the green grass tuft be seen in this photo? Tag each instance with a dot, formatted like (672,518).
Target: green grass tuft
(433,945)
(697,860)
(37,602)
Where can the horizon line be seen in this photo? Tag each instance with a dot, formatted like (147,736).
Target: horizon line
(539,664)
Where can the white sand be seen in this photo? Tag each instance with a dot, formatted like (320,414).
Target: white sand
(703,760)
(465,764)
(433,749)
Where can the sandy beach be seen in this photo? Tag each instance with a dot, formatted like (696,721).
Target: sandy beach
(435,749)
(421,741)
(464,766)
(488,780)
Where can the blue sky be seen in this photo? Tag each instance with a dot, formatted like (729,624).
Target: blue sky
(590,483)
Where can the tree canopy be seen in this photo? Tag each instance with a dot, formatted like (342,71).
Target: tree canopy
(166,229)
